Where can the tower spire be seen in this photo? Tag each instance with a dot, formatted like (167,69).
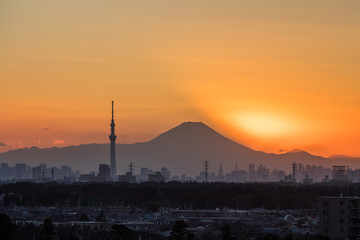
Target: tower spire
(112,109)
(112,138)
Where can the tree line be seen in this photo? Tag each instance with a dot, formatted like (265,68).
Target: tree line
(174,194)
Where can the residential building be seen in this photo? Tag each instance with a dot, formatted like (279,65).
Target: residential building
(339,217)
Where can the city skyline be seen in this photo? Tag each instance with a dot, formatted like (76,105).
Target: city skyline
(183,149)
(273,76)
(303,174)
(234,119)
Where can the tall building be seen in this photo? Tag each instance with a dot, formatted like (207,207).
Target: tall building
(340,173)
(144,174)
(221,173)
(112,138)
(40,172)
(166,173)
(251,172)
(339,217)
(66,172)
(20,171)
(104,172)
(4,169)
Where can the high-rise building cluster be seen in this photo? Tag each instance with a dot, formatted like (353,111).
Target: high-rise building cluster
(23,172)
(303,174)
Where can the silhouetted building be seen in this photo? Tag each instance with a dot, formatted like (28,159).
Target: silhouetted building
(263,174)
(340,173)
(128,177)
(175,178)
(156,177)
(252,172)
(237,176)
(166,173)
(144,174)
(354,175)
(277,175)
(4,167)
(202,177)
(294,169)
(185,178)
(90,177)
(104,172)
(55,173)
(326,179)
(66,172)
(307,180)
(221,173)
(112,138)
(39,172)
(339,217)
(21,171)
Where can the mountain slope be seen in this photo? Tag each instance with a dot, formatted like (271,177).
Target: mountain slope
(182,149)
(353,162)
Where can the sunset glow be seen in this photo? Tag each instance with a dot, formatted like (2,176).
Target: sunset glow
(268,74)
(264,124)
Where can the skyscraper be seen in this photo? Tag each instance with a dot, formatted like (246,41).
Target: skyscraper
(221,173)
(104,172)
(112,138)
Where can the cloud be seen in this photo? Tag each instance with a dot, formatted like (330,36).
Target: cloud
(58,141)
(3,144)
(283,150)
(43,127)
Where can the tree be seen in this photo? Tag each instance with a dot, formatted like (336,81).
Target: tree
(6,227)
(226,232)
(179,231)
(269,236)
(84,217)
(101,217)
(123,232)
(321,237)
(48,230)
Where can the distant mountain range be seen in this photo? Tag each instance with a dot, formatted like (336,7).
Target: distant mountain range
(182,149)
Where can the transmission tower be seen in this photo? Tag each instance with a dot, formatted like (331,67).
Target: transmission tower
(206,168)
(294,165)
(131,168)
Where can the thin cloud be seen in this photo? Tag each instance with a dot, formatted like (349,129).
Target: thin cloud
(3,144)
(58,141)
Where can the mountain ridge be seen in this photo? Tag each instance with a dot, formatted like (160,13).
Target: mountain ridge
(182,149)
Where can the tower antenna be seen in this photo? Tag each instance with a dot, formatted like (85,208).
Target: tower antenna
(112,109)
(112,138)
(131,168)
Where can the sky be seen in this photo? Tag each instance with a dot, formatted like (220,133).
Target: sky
(272,75)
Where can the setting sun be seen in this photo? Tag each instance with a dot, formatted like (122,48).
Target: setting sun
(256,71)
(264,125)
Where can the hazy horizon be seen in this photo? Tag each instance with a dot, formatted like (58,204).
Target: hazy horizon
(152,138)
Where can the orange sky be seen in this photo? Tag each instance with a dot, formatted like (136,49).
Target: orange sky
(272,75)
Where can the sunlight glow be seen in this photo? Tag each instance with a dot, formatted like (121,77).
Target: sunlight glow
(264,124)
